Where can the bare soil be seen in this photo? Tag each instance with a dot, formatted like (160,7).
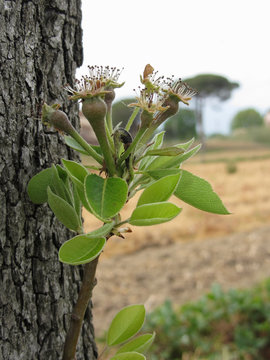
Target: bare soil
(180,271)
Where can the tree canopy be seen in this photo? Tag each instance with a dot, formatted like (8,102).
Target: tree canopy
(211,85)
(247,118)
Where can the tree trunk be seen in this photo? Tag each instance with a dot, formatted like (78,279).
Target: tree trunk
(199,115)
(41,46)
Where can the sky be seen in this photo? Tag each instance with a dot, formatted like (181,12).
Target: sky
(184,38)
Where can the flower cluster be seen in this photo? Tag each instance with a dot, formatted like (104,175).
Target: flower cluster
(100,81)
(181,90)
(159,90)
(150,101)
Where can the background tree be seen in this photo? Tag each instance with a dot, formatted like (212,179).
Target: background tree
(247,118)
(182,125)
(209,86)
(41,46)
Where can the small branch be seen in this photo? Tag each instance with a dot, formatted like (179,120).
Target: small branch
(78,312)
(122,223)
(102,352)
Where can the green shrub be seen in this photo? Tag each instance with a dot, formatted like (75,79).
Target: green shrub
(247,118)
(231,167)
(235,323)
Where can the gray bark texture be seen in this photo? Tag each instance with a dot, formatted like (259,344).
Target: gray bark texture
(40,49)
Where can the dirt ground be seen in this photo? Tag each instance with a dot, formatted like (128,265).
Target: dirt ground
(180,271)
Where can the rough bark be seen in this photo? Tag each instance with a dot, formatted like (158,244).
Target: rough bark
(40,48)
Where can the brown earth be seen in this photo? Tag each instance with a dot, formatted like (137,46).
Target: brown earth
(180,271)
(181,259)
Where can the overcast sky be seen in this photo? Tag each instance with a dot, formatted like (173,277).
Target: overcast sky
(184,38)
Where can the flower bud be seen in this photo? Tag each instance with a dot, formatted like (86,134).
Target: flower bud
(109,97)
(56,118)
(146,119)
(94,109)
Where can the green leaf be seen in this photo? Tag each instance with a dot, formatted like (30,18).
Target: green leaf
(126,323)
(141,344)
(63,211)
(168,151)
(128,356)
(102,231)
(81,193)
(160,190)
(152,214)
(77,201)
(186,145)
(58,185)
(81,249)
(75,145)
(76,172)
(166,162)
(199,193)
(37,186)
(157,143)
(160,173)
(105,197)
(62,173)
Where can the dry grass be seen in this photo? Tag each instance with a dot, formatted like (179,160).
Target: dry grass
(245,193)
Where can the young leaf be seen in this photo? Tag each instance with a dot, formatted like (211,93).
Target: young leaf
(75,145)
(157,143)
(37,186)
(81,249)
(81,193)
(186,145)
(160,173)
(199,193)
(105,197)
(126,323)
(62,173)
(167,162)
(63,211)
(77,174)
(77,201)
(128,356)
(102,231)
(60,184)
(168,151)
(152,214)
(160,190)
(141,344)
(76,171)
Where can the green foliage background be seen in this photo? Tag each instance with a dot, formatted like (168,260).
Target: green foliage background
(182,125)
(236,322)
(246,119)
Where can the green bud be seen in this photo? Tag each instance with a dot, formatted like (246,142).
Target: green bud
(146,119)
(94,109)
(58,119)
(109,97)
